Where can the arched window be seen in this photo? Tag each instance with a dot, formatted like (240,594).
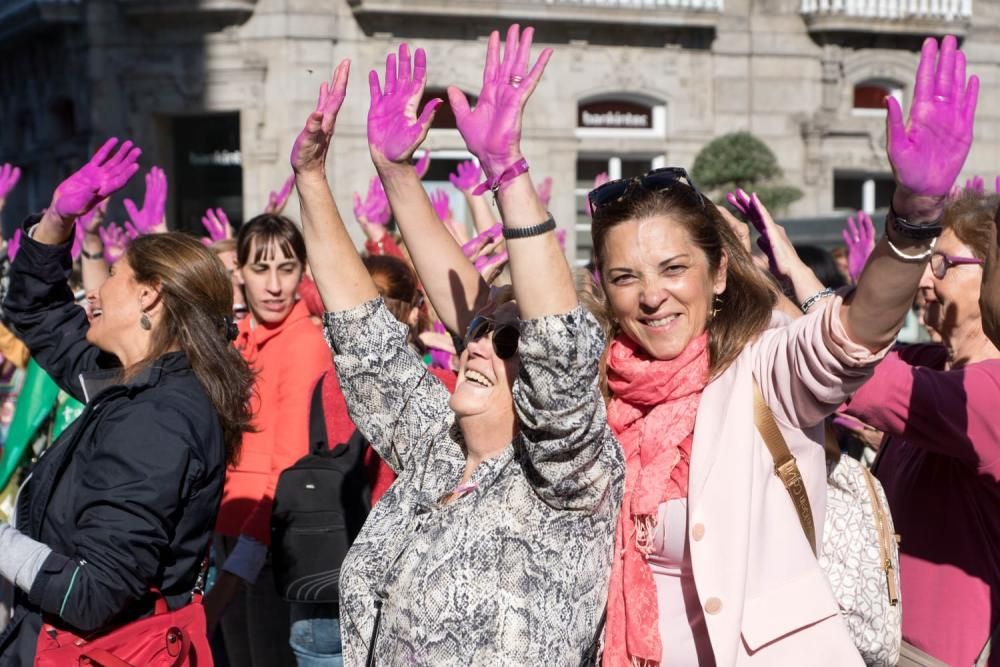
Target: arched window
(869,95)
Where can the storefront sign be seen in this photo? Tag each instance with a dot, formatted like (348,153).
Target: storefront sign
(615,114)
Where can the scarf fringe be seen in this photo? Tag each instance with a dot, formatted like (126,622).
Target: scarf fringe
(643,662)
(644,526)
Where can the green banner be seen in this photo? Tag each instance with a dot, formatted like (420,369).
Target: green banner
(38,396)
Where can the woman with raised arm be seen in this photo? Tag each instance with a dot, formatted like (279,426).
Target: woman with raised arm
(711,564)
(125,500)
(494,544)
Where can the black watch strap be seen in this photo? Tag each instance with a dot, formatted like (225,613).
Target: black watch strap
(905,228)
(525,232)
(91,255)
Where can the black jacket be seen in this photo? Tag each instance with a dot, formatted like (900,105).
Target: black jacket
(126,498)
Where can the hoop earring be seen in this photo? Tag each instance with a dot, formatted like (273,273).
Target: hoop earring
(144,322)
(716,306)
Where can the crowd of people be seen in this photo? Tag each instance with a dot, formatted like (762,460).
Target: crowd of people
(453,448)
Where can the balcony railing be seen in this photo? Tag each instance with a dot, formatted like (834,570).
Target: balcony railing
(694,13)
(912,17)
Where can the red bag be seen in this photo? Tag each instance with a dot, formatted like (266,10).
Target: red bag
(165,639)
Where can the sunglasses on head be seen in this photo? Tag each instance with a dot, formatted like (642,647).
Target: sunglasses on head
(505,336)
(657,180)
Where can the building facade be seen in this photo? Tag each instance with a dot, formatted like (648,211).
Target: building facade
(216,90)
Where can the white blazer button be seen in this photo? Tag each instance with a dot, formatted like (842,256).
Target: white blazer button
(713,605)
(698,532)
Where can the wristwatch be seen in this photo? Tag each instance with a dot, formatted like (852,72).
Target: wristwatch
(911,230)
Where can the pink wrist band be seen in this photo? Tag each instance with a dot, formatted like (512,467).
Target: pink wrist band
(509,174)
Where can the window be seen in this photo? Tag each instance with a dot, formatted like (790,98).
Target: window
(444,117)
(865,192)
(587,169)
(208,169)
(869,96)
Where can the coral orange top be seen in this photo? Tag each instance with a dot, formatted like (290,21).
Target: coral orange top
(289,358)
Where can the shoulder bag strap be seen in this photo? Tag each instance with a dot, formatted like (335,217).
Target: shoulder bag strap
(317,421)
(784,464)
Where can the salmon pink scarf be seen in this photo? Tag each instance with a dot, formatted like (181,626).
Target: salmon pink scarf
(652,411)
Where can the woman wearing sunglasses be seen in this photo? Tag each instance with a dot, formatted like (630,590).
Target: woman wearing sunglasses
(711,564)
(494,544)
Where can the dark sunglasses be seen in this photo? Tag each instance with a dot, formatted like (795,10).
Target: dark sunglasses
(505,336)
(657,180)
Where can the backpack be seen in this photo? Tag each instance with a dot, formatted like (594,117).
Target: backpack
(320,505)
(860,552)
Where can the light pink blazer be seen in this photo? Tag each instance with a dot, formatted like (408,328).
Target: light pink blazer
(766,600)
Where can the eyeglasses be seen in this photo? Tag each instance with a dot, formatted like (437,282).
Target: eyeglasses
(657,180)
(505,336)
(940,263)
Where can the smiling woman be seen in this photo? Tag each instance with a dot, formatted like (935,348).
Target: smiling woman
(140,472)
(493,546)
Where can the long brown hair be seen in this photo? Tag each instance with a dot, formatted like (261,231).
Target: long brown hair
(197,297)
(749,298)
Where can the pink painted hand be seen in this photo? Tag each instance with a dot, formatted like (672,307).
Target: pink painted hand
(492,130)
(928,151)
(311,146)
(152,218)
(479,244)
(545,191)
(9,176)
(216,223)
(487,262)
(276,200)
(467,176)
(14,245)
(374,209)
(423,164)
(601,179)
(976,184)
(115,241)
(859,235)
(102,176)
(442,207)
(394,128)
(773,240)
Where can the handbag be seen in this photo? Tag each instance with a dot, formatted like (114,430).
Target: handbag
(320,505)
(860,551)
(166,639)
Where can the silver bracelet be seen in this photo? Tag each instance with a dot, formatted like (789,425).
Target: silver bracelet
(818,296)
(902,256)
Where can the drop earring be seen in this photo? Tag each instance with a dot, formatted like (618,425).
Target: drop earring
(716,306)
(144,322)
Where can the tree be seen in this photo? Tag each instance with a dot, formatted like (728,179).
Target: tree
(741,160)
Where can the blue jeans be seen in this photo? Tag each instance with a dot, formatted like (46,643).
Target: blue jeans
(315,635)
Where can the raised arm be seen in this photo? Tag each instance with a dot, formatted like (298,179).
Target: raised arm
(453,285)
(340,276)
(391,396)
(543,284)
(39,304)
(926,154)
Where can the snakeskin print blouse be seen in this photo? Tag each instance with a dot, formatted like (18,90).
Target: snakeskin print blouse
(515,572)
